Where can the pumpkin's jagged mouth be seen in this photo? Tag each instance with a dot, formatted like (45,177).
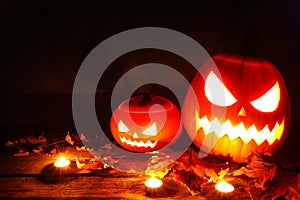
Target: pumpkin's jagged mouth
(138,143)
(233,132)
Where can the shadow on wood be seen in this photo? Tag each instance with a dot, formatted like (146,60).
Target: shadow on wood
(53,174)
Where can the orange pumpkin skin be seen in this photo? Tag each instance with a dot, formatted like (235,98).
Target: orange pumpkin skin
(238,129)
(142,126)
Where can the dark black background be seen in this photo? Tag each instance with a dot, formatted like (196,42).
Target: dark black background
(43,44)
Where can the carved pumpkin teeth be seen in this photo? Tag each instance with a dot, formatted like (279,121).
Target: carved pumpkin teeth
(233,132)
(138,144)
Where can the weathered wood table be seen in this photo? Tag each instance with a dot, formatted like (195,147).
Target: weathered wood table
(20,178)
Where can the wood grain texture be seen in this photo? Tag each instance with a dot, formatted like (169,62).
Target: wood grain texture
(20,177)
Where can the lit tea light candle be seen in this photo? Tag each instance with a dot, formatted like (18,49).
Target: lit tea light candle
(224,187)
(153,183)
(62,162)
(153,187)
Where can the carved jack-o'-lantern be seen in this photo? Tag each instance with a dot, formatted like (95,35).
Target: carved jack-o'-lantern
(241,108)
(145,123)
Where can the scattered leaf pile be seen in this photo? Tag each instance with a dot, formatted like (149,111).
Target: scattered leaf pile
(41,144)
(260,178)
(192,171)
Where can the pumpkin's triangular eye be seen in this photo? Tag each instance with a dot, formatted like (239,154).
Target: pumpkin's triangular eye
(216,92)
(122,127)
(151,130)
(269,101)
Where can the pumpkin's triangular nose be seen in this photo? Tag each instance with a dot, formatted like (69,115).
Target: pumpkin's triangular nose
(135,136)
(242,112)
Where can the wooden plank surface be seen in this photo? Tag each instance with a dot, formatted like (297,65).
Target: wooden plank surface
(20,177)
(24,177)
(88,187)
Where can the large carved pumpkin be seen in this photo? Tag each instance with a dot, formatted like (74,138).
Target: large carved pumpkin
(145,123)
(241,107)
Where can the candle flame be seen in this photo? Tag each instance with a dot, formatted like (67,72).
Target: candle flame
(62,162)
(153,183)
(224,187)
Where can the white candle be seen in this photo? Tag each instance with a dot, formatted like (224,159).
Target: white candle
(224,187)
(62,162)
(153,183)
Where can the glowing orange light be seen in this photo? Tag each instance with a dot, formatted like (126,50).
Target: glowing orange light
(224,187)
(153,183)
(240,130)
(62,162)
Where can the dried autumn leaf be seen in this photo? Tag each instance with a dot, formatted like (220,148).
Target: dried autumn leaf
(91,164)
(191,181)
(191,171)
(69,139)
(291,194)
(157,165)
(259,170)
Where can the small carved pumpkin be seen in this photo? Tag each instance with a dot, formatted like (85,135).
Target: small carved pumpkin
(241,107)
(145,123)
